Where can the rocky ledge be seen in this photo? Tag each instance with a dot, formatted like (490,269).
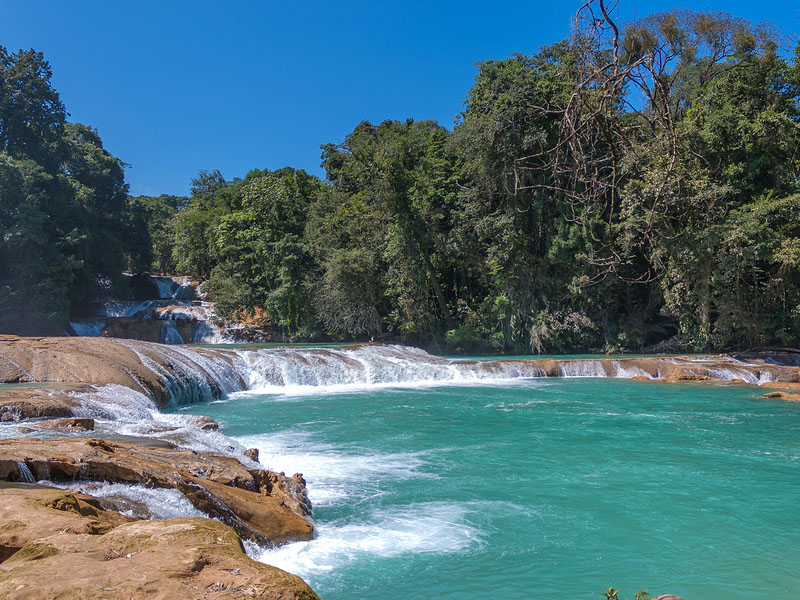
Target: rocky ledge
(62,544)
(260,505)
(70,364)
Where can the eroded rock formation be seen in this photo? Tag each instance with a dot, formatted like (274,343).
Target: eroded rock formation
(260,505)
(62,544)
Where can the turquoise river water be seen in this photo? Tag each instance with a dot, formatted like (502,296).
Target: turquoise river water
(538,488)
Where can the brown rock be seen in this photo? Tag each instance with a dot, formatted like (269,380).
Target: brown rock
(205,423)
(260,505)
(28,513)
(252,454)
(101,361)
(47,400)
(74,424)
(68,548)
(782,396)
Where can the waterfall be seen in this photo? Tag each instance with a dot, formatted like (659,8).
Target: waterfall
(88,328)
(281,369)
(166,286)
(190,375)
(582,368)
(170,333)
(25,472)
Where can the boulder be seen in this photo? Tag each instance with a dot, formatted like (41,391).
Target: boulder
(60,544)
(29,513)
(260,505)
(205,423)
(252,454)
(782,396)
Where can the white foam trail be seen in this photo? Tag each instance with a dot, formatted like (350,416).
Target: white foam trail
(136,501)
(333,475)
(430,527)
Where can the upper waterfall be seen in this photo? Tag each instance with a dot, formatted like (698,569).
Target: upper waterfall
(287,368)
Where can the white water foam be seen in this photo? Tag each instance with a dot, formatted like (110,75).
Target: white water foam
(582,368)
(333,476)
(136,501)
(428,527)
(303,370)
(122,308)
(119,409)
(115,403)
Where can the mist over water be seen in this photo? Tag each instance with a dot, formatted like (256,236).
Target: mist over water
(540,488)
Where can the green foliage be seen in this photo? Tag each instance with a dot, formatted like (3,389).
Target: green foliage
(261,256)
(151,225)
(62,203)
(589,197)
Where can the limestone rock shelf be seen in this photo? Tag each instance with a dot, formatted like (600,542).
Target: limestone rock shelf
(62,544)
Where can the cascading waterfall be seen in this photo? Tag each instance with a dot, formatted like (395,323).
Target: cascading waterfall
(25,472)
(192,376)
(284,369)
(176,306)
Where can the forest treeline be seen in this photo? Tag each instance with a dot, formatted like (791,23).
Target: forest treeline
(634,185)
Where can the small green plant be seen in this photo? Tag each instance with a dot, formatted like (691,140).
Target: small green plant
(612,594)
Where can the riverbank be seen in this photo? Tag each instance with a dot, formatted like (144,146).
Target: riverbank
(113,390)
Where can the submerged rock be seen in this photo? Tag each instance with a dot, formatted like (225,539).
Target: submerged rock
(61,544)
(260,505)
(74,424)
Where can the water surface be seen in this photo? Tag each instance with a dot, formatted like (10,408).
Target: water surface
(536,488)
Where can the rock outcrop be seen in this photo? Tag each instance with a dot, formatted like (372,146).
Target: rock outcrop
(158,371)
(22,402)
(61,544)
(260,505)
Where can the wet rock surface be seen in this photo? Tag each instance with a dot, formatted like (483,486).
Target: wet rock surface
(61,544)
(155,370)
(260,505)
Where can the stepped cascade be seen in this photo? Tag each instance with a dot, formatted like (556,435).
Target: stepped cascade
(169,310)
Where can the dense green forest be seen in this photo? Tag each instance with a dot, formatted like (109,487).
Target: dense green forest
(634,185)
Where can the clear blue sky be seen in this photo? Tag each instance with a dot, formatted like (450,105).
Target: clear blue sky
(178,86)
